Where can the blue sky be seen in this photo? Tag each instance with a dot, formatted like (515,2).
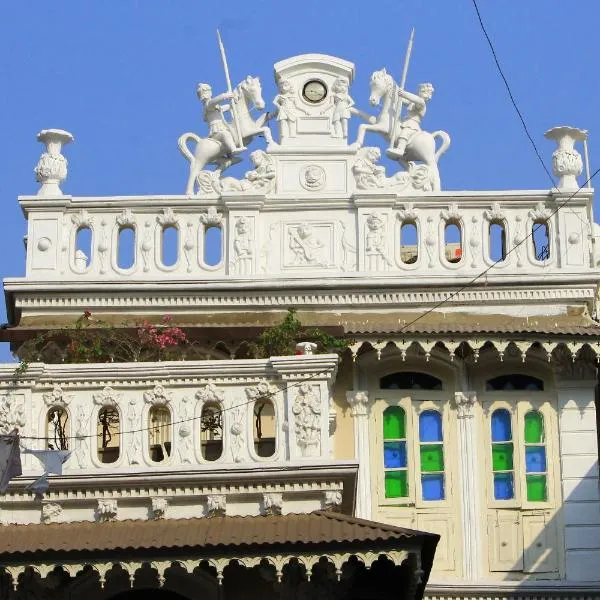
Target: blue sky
(121,76)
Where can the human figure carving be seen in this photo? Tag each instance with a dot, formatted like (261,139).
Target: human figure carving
(409,126)
(288,109)
(260,179)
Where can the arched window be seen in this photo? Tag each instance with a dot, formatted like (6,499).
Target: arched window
(169,245)
(126,248)
(431,451)
(453,241)
(540,236)
(212,245)
(409,242)
(109,434)
(497,241)
(502,455)
(265,428)
(211,431)
(57,432)
(395,460)
(83,248)
(159,433)
(409,380)
(535,457)
(514,382)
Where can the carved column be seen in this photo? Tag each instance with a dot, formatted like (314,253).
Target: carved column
(470,485)
(360,410)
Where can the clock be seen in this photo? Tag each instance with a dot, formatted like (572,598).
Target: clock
(314,91)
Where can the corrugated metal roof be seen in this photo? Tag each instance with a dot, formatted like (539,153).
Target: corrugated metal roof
(229,531)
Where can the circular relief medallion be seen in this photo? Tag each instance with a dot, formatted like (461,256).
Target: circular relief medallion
(312,178)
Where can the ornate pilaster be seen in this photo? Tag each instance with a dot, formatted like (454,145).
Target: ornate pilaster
(360,409)
(470,485)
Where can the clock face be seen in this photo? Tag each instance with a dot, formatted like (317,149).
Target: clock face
(314,91)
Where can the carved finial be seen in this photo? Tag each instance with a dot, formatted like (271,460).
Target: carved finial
(566,161)
(51,169)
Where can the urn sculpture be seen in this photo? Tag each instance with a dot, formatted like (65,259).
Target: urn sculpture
(51,169)
(566,161)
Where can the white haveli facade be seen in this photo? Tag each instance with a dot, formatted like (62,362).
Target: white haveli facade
(464,405)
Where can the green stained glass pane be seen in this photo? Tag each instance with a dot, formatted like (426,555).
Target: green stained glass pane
(432,457)
(394,423)
(502,457)
(534,427)
(396,484)
(536,488)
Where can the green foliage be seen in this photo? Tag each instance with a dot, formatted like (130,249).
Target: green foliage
(281,340)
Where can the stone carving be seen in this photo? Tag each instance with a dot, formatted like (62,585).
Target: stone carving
(51,512)
(237,440)
(518,239)
(288,109)
(408,214)
(168,218)
(188,245)
(263,389)
(272,503)
(312,178)
(107,397)
(159,508)
(265,251)
(12,414)
(126,218)
(306,348)
(51,169)
(210,393)
(107,510)
(474,241)
(260,180)
(540,212)
(410,141)
(307,249)
(146,246)
(348,249)
(495,214)
(452,214)
(82,219)
(369,175)
(307,412)
(430,241)
(243,247)
(184,447)
(103,247)
(566,161)
(359,403)
(81,434)
(158,396)
(225,138)
(343,108)
(333,500)
(216,505)
(134,449)
(464,402)
(57,397)
(211,218)
(376,242)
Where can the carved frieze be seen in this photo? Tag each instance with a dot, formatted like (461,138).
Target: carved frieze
(272,503)
(12,414)
(107,510)
(216,505)
(57,397)
(307,419)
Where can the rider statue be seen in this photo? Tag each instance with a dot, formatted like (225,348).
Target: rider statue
(213,115)
(411,124)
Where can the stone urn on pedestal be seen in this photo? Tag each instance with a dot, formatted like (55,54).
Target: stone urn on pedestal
(566,161)
(51,169)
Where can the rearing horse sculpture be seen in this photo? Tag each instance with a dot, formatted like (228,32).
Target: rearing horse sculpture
(247,95)
(421,145)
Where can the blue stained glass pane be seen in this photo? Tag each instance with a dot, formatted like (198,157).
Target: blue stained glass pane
(432,487)
(394,455)
(501,430)
(430,426)
(503,486)
(535,459)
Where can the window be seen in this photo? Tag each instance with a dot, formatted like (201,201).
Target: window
(126,248)
(264,428)
(515,382)
(540,236)
(83,248)
(395,461)
(212,245)
(409,380)
(159,433)
(502,455)
(109,430)
(211,426)
(56,431)
(497,241)
(453,241)
(535,457)
(409,243)
(431,453)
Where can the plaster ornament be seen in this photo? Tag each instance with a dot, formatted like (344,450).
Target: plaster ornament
(51,512)
(566,161)
(107,510)
(146,246)
(82,219)
(263,389)
(369,175)
(306,348)
(159,508)
(184,446)
(188,245)
(306,248)
(57,397)
(358,402)
(237,440)
(307,423)
(464,403)
(211,218)
(259,180)
(333,500)
(452,214)
(288,109)
(474,241)
(216,505)
(348,249)
(12,414)
(540,212)
(51,169)
(168,218)
(312,178)
(103,247)
(408,213)
(410,142)
(107,397)
(376,242)
(134,447)
(81,433)
(210,393)
(495,214)
(518,240)
(126,218)
(44,244)
(272,503)
(158,396)
(225,138)
(242,247)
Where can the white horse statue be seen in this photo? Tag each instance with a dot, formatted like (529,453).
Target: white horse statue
(421,145)
(246,96)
